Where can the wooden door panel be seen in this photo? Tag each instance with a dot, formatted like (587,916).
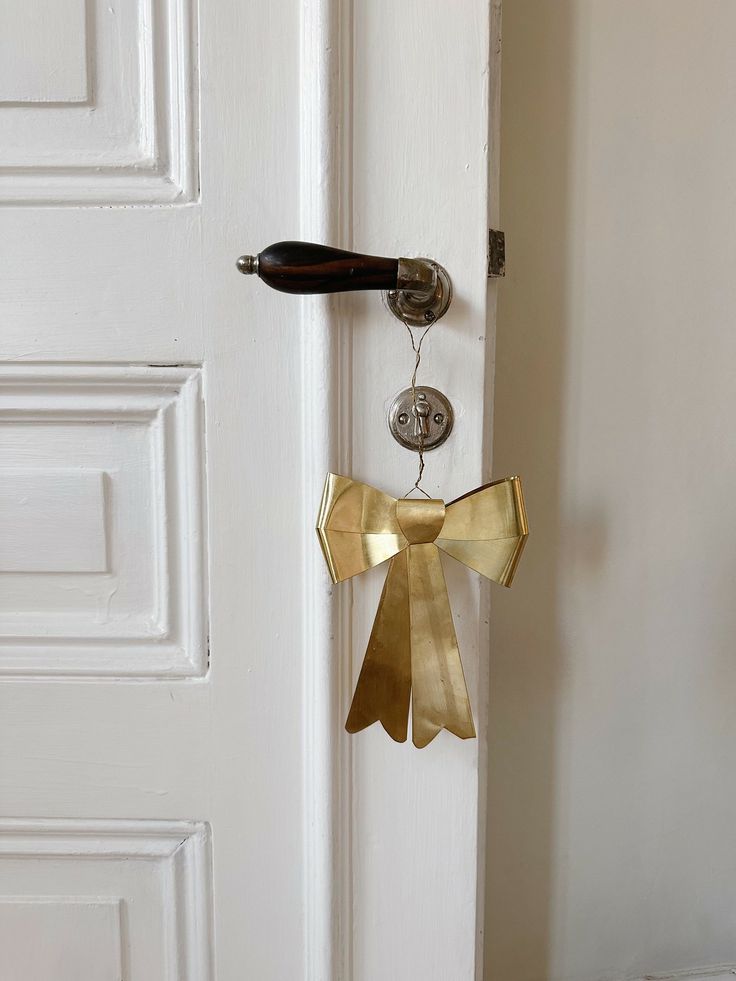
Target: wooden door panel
(173,664)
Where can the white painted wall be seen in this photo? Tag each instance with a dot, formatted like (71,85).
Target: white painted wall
(612,784)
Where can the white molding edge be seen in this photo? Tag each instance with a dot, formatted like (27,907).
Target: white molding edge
(717,972)
(185,847)
(167,176)
(493,95)
(325,182)
(170,399)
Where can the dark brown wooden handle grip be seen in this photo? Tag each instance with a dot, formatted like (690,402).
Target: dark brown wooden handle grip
(301,267)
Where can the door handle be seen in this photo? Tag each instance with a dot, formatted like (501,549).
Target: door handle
(417,291)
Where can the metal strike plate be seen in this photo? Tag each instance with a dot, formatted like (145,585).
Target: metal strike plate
(496,254)
(433,417)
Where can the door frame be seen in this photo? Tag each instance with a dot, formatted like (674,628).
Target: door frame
(327,53)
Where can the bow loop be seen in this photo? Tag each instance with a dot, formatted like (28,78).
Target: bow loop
(487,529)
(358,527)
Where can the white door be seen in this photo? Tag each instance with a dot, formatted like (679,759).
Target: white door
(179,800)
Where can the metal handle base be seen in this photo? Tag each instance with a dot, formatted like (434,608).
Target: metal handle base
(420,307)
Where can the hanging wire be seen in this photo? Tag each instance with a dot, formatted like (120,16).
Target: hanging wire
(417,349)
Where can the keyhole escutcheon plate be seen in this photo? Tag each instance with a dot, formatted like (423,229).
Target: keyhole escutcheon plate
(435,417)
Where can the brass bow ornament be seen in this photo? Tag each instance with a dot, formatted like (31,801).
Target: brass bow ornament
(412,651)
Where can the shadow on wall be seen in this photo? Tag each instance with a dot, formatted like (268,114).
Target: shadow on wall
(526,667)
(612,794)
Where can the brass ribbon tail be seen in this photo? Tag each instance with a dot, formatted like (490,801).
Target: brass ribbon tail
(384,685)
(413,651)
(439,697)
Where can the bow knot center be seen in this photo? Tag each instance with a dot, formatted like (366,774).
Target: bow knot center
(420,521)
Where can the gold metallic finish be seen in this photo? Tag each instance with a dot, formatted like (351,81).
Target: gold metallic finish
(384,685)
(357,527)
(439,695)
(412,652)
(487,529)
(420,521)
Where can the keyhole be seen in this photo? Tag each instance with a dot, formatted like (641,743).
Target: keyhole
(421,416)
(420,419)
